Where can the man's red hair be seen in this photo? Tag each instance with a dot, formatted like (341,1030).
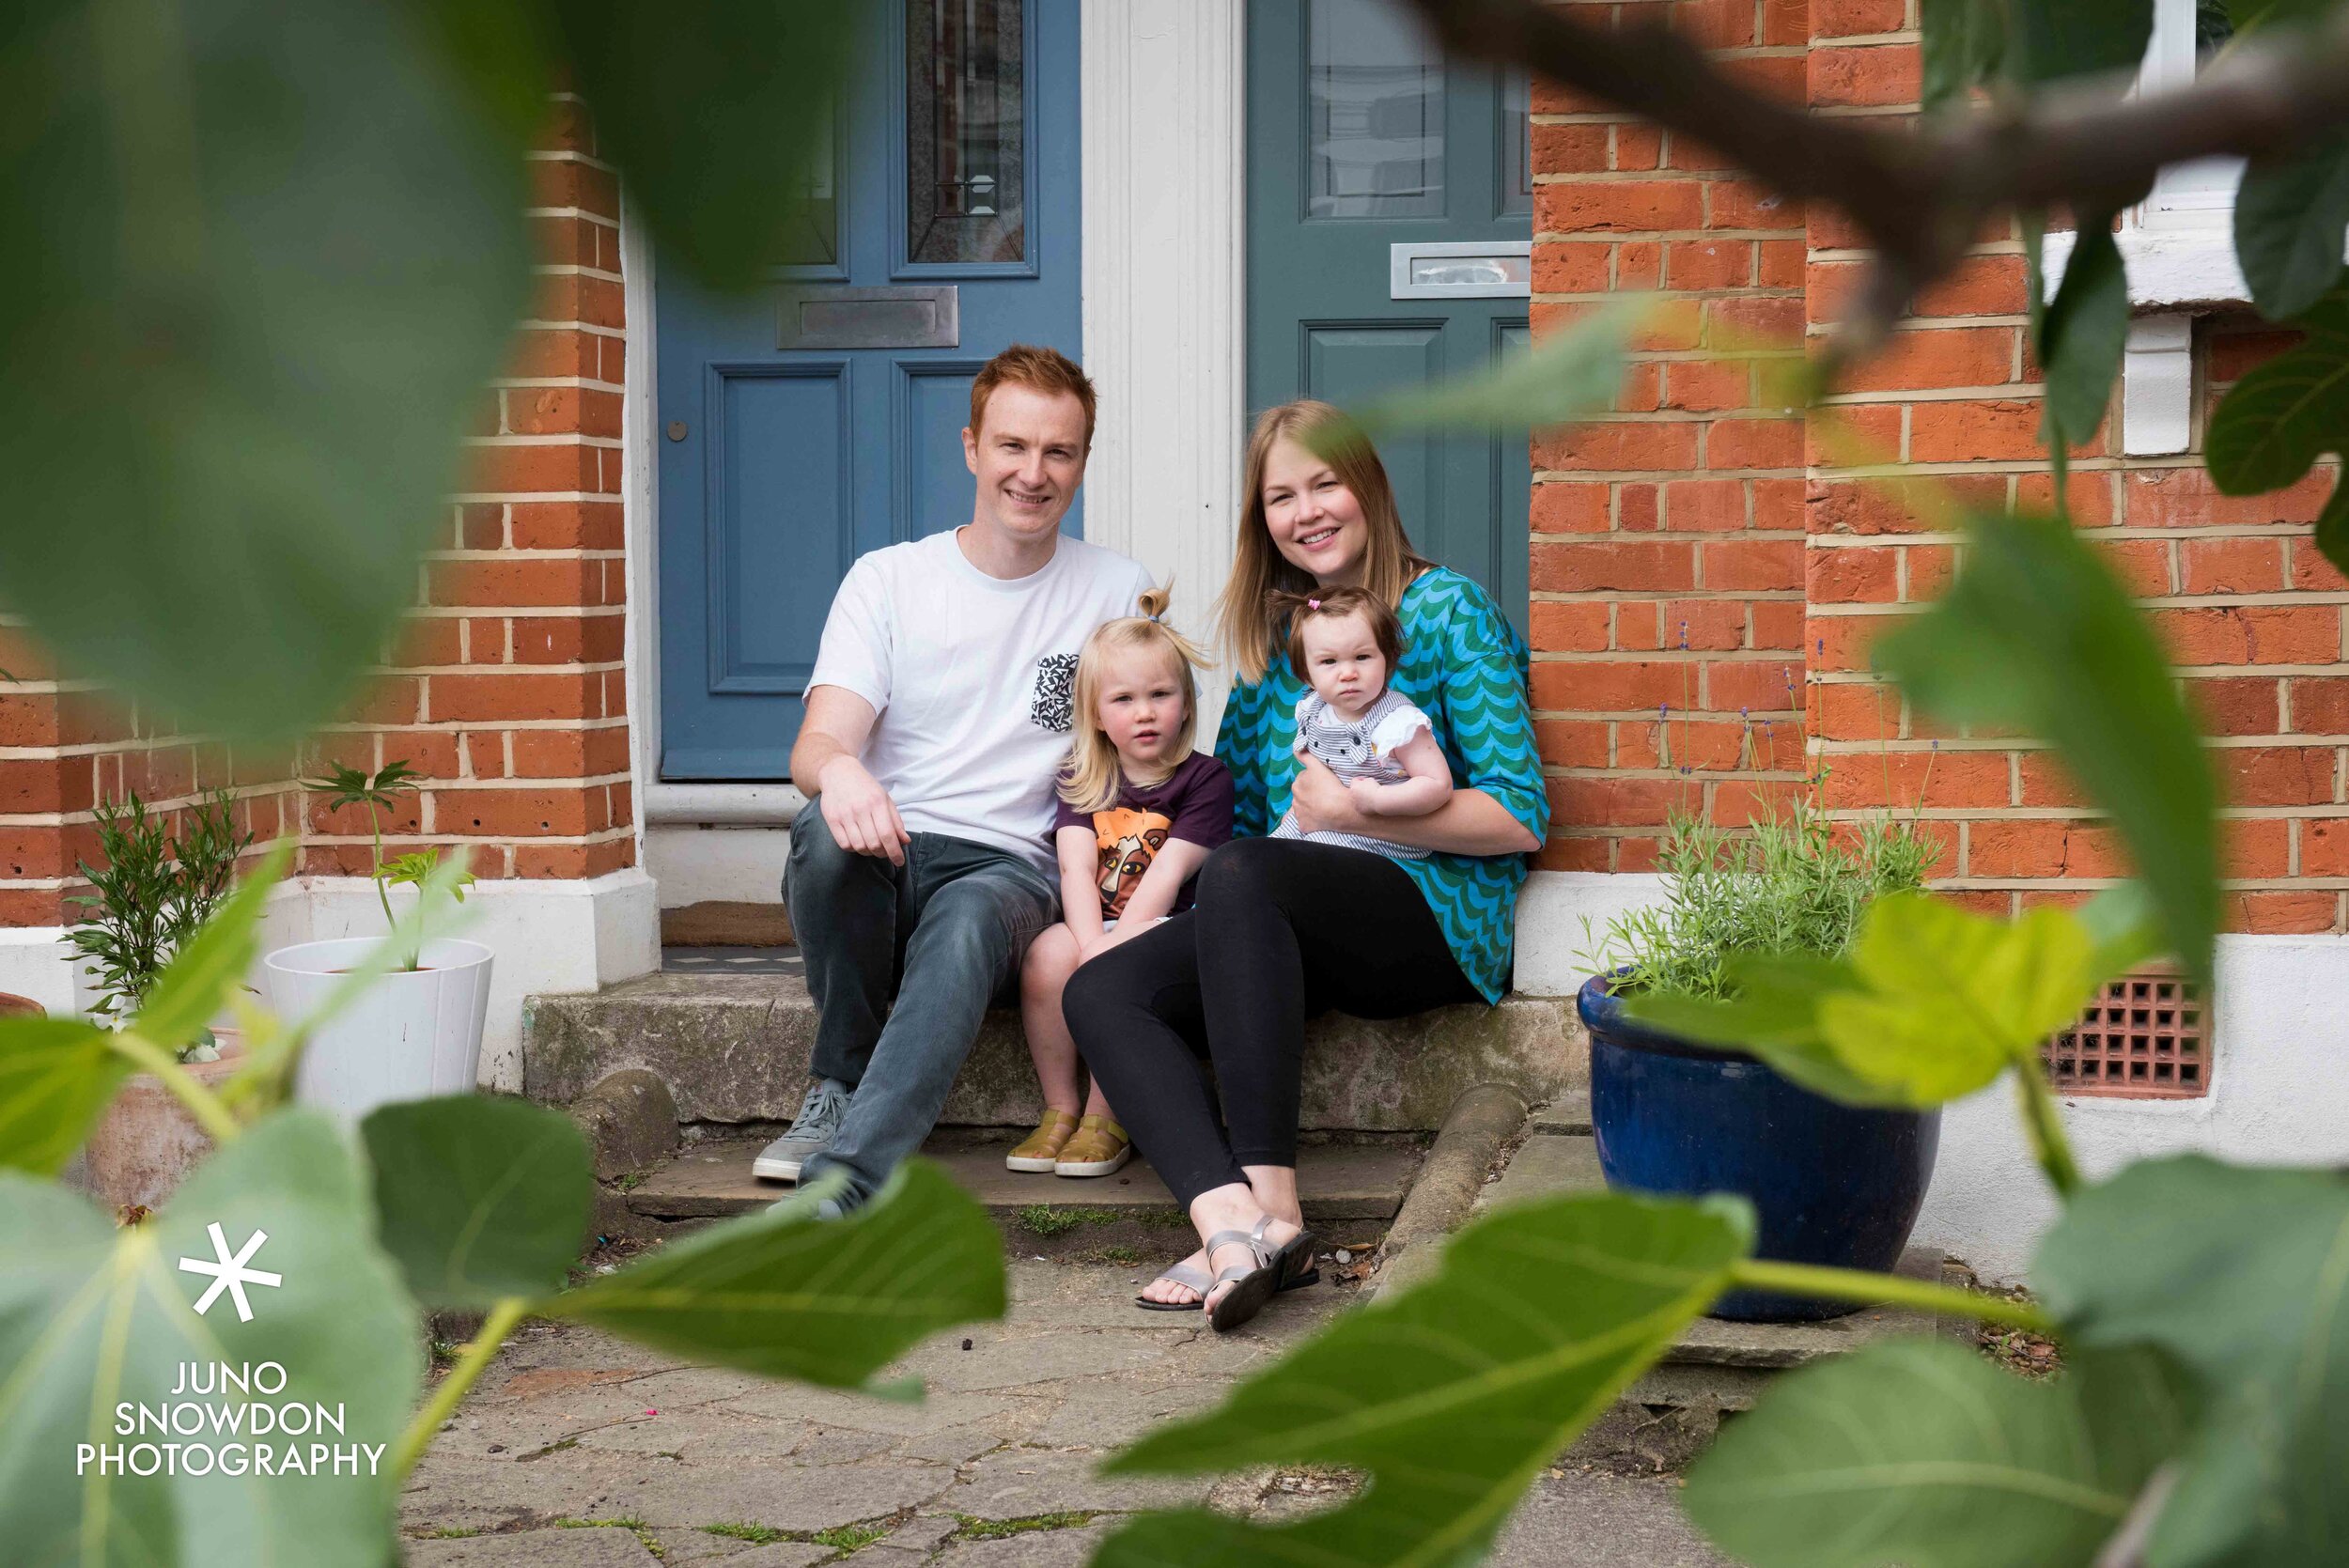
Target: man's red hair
(1045,370)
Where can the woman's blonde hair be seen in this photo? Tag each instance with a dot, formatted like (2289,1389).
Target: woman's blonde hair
(1245,624)
(1090,777)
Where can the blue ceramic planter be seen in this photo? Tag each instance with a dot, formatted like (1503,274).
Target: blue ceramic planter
(1829,1184)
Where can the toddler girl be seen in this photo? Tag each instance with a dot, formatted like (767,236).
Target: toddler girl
(1344,643)
(1140,810)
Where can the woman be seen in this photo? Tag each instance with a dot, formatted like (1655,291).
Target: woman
(1285,928)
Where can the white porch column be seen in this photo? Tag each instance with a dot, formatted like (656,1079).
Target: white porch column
(1164,291)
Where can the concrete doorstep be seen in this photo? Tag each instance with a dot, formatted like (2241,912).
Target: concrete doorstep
(1350,1188)
(732,1050)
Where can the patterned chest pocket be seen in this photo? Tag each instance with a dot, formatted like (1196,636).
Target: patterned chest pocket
(1055,691)
(1338,748)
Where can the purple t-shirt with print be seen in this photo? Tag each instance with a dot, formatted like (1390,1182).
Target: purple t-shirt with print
(1194,804)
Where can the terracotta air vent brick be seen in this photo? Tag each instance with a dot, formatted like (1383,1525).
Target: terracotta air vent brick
(2143,1038)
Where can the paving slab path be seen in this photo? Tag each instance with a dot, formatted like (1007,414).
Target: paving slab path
(581,1451)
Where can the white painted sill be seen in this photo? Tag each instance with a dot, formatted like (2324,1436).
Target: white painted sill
(2174,274)
(729,806)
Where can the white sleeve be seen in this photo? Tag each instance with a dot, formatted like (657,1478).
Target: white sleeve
(1395,730)
(1297,723)
(859,638)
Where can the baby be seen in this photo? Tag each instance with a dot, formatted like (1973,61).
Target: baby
(1344,644)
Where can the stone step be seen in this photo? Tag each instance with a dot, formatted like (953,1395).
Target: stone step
(1350,1189)
(734,1047)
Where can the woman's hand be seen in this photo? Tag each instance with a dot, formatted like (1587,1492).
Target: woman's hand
(1323,802)
(1469,822)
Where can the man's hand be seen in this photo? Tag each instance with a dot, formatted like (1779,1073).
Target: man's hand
(1322,800)
(861,817)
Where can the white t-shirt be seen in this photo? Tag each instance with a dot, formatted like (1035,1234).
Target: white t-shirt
(972,678)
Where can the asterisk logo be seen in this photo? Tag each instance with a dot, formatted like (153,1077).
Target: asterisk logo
(229,1273)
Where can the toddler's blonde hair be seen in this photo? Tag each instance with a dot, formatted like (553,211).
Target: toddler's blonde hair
(1090,777)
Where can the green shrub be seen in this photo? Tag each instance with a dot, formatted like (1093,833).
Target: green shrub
(1796,883)
(157,888)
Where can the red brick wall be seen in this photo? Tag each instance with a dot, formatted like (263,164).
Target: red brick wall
(2251,614)
(64,746)
(508,692)
(1668,540)
(507,688)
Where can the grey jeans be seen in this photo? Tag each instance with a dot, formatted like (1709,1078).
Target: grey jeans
(945,931)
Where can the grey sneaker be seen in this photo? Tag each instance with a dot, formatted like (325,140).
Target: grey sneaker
(818,1125)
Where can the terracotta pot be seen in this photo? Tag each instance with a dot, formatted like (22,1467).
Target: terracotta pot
(146,1143)
(14,1006)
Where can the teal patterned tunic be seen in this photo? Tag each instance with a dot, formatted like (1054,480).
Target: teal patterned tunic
(1465,664)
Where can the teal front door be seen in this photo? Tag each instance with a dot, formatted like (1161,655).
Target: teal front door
(820,418)
(1389,224)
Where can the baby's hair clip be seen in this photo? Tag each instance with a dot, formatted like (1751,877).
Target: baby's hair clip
(1312,604)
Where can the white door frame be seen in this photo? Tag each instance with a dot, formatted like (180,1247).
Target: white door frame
(1164,191)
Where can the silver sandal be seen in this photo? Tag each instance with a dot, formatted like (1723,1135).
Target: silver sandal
(1195,1279)
(1252,1285)
(1187,1277)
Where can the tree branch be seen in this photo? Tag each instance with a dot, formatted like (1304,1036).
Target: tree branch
(1920,193)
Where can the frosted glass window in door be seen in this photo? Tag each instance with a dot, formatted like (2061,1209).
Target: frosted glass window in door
(1516,145)
(966,132)
(1375,88)
(814,202)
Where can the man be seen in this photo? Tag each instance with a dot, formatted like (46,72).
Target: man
(936,720)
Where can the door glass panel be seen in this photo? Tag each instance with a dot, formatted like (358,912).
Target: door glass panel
(813,237)
(2214,25)
(966,135)
(1375,81)
(1516,145)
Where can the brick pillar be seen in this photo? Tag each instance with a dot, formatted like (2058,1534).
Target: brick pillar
(1668,547)
(507,691)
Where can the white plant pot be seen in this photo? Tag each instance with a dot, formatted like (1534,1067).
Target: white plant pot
(405,1037)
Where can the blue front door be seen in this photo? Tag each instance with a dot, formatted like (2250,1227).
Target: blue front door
(822,418)
(1389,238)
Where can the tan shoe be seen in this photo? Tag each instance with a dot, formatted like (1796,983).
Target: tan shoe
(1098,1147)
(1039,1152)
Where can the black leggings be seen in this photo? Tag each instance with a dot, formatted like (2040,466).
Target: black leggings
(1284,928)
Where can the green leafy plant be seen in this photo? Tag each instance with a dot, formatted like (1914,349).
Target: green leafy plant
(2199,1305)
(157,888)
(287,332)
(246,567)
(1796,883)
(463,1202)
(970,1527)
(379,792)
(757,1535)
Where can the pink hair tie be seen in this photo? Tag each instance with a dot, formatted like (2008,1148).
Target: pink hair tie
(1312,604)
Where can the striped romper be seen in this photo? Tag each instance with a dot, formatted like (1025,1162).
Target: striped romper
(1355,749)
